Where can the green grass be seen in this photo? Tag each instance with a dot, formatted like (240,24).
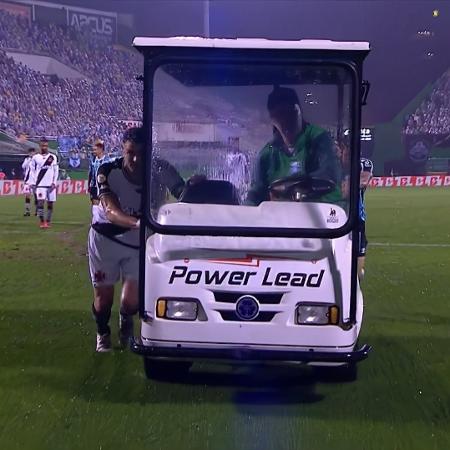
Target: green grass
(56,393)
(77,174)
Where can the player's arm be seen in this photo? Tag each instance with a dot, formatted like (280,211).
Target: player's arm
(91,174)
(364,179)
(366,173)
(115,214)
(110,202)
(33,171)
(55,173)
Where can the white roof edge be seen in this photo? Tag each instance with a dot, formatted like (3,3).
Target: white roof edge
(201,42)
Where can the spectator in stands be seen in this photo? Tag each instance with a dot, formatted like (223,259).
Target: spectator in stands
(74,159)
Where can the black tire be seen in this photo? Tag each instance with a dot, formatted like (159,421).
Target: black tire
(340,374)
(165,370)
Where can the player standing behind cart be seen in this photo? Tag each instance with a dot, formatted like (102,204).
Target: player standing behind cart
(27,190)
(365,177)
(99,157)
(43,179)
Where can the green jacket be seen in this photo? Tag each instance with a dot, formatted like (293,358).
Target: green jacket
(313,155)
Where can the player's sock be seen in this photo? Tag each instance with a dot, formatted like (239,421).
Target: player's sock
(40,212)
(125,321)
(102,320)
(125,328)
(49,212)
(27,206)
(35,204)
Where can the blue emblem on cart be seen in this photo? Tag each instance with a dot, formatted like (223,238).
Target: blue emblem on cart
(247,307)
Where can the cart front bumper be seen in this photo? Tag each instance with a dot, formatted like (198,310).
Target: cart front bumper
(248,354)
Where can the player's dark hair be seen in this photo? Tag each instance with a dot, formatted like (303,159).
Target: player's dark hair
(135,135)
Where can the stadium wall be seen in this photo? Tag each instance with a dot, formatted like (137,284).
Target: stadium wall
(102,23)
(45,65)
(411,181)
(14,8)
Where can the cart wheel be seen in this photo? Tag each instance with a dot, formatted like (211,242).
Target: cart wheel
(341,374)
(156,369)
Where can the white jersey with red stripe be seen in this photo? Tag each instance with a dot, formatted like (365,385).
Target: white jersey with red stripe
(44,170)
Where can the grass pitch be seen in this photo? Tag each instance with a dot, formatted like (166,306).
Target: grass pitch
(56,393)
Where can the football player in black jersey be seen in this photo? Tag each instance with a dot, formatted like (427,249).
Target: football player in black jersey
(114,235)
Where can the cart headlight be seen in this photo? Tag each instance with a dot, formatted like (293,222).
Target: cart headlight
(177,309)
(317,315)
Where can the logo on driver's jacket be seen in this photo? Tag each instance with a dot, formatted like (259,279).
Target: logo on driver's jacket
(296,167)
(332,217)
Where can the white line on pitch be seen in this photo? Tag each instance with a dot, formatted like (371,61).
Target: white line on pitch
(404,244)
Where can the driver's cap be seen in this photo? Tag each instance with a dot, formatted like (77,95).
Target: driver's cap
(282,95)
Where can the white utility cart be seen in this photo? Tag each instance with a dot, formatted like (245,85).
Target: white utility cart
(225,278)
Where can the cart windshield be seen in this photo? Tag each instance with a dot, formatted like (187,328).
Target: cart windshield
(246,144)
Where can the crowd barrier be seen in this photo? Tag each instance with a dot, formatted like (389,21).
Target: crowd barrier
(15,187)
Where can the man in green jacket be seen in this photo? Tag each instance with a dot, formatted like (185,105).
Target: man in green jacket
(297,148)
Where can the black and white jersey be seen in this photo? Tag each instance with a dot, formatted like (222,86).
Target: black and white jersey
(44,170)
(112,179)
(366,165)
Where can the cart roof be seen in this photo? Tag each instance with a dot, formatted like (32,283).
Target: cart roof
(201,42)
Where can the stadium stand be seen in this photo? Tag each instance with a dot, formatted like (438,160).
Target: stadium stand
(34,103)
(433,115)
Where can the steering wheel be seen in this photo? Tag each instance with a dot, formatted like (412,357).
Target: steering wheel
(300,188)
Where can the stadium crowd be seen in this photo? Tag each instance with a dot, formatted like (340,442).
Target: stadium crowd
(433,115)
(91,106)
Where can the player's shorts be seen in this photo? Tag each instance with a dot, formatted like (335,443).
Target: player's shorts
(27,189)
(46,193)
(110,261)
(362,240)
